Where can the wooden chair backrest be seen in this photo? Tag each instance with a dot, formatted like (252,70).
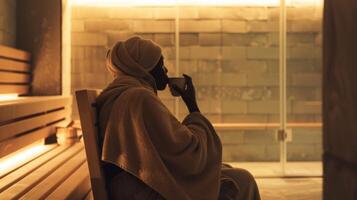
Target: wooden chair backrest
(15,71)
(88,117)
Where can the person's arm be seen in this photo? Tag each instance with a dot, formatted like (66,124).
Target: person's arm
(189,145)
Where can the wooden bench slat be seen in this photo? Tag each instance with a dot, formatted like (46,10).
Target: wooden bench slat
(13,77)
(45,187)
(14,144)
(12,65)
(15,176)
(76,186)
(12,129)
(27,106)
(13,53)
(14,89)
(28,182)
(25,160)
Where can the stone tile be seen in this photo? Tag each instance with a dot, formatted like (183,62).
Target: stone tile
(264,53)
(234,53)
(302,93)
(164,13)
(307,136)
(234,26)
(273,13)
(243,66)
(233,79)
(198,52)
(210,39)
(244,118)
(114,36)
(153,26)
(305,26)
(304,53)
(304,79)
(303,13)
(164,39)
(263,107)
(231,137)
(259,137)
(306,107)
(262,79)
(189,39)
(198,26)
(210,12)
(246,39)
(77,26)
(106,25)
(89,39)
(243,152)
(301,152)
(300,39)
(89,12)
(234,107)
(263,26)
(188,13)
(131,13)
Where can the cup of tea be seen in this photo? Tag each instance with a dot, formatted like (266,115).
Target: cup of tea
(179,82)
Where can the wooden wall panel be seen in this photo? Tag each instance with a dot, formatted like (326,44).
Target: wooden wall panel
(340,100)
(39,32)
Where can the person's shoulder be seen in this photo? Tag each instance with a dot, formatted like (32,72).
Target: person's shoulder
(142,93)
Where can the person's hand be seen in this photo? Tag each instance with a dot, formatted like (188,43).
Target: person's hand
(188,94)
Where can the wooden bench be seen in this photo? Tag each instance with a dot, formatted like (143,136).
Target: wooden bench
(29,169)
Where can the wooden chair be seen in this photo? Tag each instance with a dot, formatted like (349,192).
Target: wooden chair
(88,117)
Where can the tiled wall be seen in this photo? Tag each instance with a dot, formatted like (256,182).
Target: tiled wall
(232,55)
(8,22)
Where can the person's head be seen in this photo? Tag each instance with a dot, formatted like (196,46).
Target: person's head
(139,58)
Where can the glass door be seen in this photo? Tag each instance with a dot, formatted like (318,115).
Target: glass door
(303,86)
(232,54)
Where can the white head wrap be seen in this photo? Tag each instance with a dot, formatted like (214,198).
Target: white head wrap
(135,57)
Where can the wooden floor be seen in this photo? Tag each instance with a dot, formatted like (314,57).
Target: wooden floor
(306,183)
(290,188)
(274,169)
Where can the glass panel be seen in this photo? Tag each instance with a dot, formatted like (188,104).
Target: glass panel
(304,63)
(232,55)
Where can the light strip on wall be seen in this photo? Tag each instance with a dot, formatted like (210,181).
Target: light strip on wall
(133,3)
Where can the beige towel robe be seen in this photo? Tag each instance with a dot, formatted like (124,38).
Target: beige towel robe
(178,160)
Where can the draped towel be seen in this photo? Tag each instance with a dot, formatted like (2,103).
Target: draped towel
(141,136)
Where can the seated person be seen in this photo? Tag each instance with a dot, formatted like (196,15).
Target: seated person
(149,154)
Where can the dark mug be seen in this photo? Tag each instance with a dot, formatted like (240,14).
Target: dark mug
(179,82)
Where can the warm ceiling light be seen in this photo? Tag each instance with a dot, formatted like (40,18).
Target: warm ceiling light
(126,3)
(6,97)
